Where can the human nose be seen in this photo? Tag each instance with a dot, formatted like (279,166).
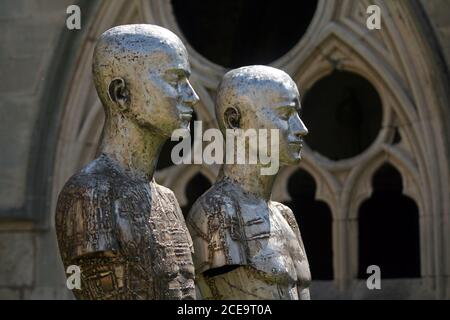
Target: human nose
(189,95)
(298,127)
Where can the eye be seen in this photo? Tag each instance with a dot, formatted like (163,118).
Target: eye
(173,79)
(285,113)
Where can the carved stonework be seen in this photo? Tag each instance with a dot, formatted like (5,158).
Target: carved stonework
(126,234)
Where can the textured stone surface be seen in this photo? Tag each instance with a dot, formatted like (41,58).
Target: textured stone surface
(17,259)
(47,293)
(439,10)
(30,31)
(9,294)
(391,289)
(126,233)
(235,223)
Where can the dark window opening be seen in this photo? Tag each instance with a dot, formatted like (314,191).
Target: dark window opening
(315,223)
(343,114)
(235,33)
(389,229)
(194,189)
(397,137)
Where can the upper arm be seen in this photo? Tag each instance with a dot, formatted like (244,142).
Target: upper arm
(216,236)
(85,223)
(303,294)
(290,218)
(173,200)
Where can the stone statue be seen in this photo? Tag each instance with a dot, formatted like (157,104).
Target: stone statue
(245,245)
(125,232)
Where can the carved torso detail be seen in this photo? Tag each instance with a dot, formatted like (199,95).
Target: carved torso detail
(127,235)
(230,228)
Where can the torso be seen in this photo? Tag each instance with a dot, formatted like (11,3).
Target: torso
(139,222)
(271,246)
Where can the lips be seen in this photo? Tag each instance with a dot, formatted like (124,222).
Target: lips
(296,143)
(185,112)
(296,146)
(186,116)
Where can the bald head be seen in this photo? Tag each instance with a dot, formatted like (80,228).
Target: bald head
(124,50)
(253,88)
(141,71)
(261,97)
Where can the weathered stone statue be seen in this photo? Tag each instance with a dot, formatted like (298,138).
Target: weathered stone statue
(247,246)
(125,232)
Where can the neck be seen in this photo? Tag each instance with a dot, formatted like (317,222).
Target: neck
(249,178)
(135,148)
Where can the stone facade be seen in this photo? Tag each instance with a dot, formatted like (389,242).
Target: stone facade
(50,120)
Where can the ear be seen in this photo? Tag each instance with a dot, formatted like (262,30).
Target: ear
(232,118)
(118,93)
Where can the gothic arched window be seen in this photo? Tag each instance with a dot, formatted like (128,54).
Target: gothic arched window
(315,223)
(343,113)
(389,229)
(235,33)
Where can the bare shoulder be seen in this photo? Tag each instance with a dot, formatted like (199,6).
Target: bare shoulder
(99,175)
(170,199)
(163,190)
(215,231)
(90,188)
(211,212)
(288,215)
(167,194)
(85,212)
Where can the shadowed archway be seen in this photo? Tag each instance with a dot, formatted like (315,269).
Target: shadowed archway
(389,229)
(315,223)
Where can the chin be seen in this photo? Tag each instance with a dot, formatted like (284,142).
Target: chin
(185,125)
(290,160)
(296,158)
(296,161)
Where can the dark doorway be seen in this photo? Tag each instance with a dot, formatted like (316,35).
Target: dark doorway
(389,229)
(315,223)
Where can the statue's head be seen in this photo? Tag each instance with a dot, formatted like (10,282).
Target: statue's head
(261,97)
(141,73)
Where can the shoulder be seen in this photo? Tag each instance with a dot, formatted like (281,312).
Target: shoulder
(213,223)
(95,177)
(287,214)
(89,188)
(169,199)
(166,193)
(85,213)
(211,213)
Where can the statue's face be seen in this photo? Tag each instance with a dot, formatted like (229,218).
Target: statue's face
(279,108)
(165,98)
